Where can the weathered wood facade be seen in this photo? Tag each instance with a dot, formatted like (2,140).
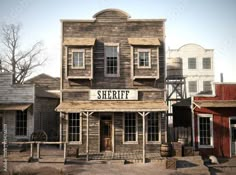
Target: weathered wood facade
(117,55)
(26,108)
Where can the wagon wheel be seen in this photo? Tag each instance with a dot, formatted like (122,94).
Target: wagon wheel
(39,136)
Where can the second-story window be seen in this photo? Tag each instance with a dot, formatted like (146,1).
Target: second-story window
(144,58)
(78,58)
(206,63)
(192,86)
(192,63)
(112,60)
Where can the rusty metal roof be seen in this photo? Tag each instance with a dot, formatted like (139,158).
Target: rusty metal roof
(14,107)
(79,41)
(112,106)
(144,41)
(215,103)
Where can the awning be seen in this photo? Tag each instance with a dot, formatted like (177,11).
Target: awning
(79,41)
(144,41)
(215,103)
(112,106)
(14,107)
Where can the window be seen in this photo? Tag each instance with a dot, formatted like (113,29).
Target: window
(78,58)
(206,63)
(192,63)
(206,86)
(205,130)
(153,127)
(130,127)
(21,123)
(144,58)
(111,60)
(192,86)
(74,127)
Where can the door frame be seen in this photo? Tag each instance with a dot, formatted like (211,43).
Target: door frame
(112,130)
(230,134)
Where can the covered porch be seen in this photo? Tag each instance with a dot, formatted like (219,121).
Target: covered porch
(119,140)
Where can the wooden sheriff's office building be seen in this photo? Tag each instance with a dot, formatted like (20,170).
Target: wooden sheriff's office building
(113,83)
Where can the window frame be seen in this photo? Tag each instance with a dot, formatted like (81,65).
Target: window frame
(204,64)
(203,87)
(118,60)
(189,86)
(136,128)
(72,59)
(159,129)
(23,114)
(80,130)
(149,58)
(191,58)
(211,130)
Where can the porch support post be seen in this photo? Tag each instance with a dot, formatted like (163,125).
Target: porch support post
(60,129)
(144,114)
(87,114)
(64,151)
(38,150)
(31,150)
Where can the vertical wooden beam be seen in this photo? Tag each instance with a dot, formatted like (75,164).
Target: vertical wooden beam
(31,150)
(38,150)
(87,138)
(132,62)
(144,137)
(65,151)
(60,129)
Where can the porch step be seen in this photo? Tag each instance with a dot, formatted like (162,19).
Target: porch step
(13,158)
(51,160)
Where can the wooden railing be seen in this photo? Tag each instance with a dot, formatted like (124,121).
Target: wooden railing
(38,143)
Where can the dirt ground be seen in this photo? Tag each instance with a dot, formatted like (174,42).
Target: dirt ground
(88,168)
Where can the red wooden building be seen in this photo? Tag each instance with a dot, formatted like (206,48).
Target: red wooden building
(215,121)
(212,118)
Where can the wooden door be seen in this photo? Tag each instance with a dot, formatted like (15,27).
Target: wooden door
(106,133)
(233,139)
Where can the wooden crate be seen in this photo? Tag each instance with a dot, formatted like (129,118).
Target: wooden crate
(188,151)
(177,149)
(171,163)
(72,151)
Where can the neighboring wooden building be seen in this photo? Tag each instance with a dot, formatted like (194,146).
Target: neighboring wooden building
(214,120)
(26,108)
(196,64)
(113,83)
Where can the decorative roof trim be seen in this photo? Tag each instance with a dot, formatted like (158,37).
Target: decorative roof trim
(111,9)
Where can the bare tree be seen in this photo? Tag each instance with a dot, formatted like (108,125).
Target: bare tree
(16,60)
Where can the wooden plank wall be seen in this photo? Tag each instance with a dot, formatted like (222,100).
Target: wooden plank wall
(12,93)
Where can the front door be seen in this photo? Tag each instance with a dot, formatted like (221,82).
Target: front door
(106,132)
(233,139)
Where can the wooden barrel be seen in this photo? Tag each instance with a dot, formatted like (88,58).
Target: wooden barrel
(165,150)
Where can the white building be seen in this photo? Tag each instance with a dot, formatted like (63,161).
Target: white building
(197,66)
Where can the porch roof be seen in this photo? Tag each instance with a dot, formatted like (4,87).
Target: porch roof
(215,103)
(14,107)
(144,41)
(112,106)
(79,41)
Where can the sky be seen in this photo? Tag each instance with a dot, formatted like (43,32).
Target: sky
(209,23)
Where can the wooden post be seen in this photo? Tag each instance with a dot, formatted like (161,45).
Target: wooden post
(144,138)
(87,114)
(65,151)
(87,139)
(31,150)
(60,130)
(38,150)
(144,114)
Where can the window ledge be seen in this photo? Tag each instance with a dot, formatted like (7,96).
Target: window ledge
(153,142)
(75,143)
(205,146)
(131,142)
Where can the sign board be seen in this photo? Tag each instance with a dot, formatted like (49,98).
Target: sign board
(113,94)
